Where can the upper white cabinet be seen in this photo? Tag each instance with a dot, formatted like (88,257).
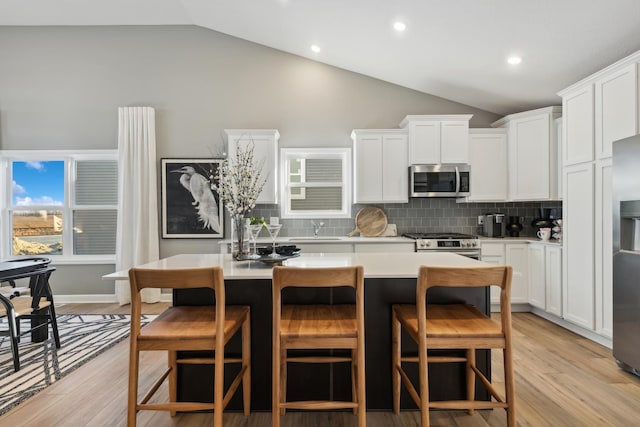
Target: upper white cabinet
(616,108)
(380,166)
(533,154)
(488,160)
(577,107)
(437,139)
(600,109)
(265,153)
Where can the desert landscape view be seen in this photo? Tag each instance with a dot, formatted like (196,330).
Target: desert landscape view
(37,233)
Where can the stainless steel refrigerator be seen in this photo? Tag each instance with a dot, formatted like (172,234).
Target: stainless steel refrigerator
(626,253)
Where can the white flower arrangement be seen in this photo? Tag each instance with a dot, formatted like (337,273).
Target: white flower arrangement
(240,182)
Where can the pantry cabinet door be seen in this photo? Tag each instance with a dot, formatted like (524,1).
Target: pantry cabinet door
(616,108)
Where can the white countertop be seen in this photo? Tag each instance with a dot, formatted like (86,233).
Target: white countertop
(528,239)
(376,265)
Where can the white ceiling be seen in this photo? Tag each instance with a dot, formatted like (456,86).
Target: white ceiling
(455,49)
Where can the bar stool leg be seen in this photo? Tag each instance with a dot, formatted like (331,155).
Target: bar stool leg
(471,376)
(246,363)
(395,360)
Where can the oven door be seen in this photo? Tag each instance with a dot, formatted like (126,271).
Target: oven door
(439,180)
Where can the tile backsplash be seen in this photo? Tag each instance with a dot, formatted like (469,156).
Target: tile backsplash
(419,215)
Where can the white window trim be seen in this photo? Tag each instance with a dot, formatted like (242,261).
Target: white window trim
(7,156)
(315,153)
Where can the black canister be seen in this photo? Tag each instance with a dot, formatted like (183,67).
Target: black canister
(514,227)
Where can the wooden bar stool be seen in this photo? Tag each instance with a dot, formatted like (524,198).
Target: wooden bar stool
(454,327)
(188,328)
(318,327)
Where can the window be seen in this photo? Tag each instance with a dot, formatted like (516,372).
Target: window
(60,204)
(316,182)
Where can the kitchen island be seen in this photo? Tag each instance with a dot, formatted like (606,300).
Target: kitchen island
(390,278)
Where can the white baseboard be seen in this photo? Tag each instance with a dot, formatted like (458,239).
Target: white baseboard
(98,298)
(524,308)
(593,336)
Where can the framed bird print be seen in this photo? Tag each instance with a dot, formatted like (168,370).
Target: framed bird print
(191,208)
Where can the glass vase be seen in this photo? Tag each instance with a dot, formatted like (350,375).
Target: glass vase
(239,237)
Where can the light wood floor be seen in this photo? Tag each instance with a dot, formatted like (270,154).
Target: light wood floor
(561,380)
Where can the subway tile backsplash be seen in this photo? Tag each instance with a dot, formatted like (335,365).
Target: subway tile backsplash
(419,215)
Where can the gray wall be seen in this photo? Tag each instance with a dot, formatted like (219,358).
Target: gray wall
(60,88)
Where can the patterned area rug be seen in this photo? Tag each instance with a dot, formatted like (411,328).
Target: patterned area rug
(82,337)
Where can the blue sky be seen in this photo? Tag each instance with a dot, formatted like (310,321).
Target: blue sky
(38,183)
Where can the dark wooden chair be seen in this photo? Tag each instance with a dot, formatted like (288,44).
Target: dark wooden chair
(188,328)
(313,327)
(454,327)
(33,303)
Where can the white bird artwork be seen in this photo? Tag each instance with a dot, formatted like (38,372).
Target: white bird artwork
(203,199)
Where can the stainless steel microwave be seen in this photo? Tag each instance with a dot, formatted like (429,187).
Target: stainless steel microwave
(450,180)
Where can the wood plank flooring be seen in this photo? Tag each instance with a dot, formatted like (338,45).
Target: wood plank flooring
(562,379)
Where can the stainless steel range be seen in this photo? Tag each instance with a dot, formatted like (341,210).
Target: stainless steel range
(458,243)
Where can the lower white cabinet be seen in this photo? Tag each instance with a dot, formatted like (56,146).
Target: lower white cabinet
(578,292)
(553,276)
(545,277)
(515,255)
(537,276)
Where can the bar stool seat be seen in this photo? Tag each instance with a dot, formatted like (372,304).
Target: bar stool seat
(454,327)
(318,326)
(188,328)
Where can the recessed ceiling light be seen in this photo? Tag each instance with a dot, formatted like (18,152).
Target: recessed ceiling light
(514,60)
(399,26)
(315,48)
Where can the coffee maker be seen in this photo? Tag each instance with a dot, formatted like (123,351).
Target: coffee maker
(494,225)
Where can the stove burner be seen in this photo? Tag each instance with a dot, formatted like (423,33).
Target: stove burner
(441,236)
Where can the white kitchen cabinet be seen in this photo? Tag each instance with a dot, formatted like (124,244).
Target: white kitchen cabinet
(597,110)
(515,255)
(557,126)
(553,279)
(578,245)
(493,253)
(265,153)
(537,276)
(533,155)
(380,166)
(545,277)
(437,139)
(603,248)
(616,108)
(488,160)
(577,117)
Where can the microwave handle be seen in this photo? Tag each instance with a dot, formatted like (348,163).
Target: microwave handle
(457,180)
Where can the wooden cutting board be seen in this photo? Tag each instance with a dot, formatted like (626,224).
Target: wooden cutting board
(370,222)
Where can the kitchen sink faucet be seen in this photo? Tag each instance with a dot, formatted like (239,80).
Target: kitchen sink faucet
(316,227)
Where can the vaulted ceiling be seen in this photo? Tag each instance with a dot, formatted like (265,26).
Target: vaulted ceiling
(455,49)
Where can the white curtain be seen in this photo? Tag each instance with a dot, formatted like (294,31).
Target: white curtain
(137,235)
